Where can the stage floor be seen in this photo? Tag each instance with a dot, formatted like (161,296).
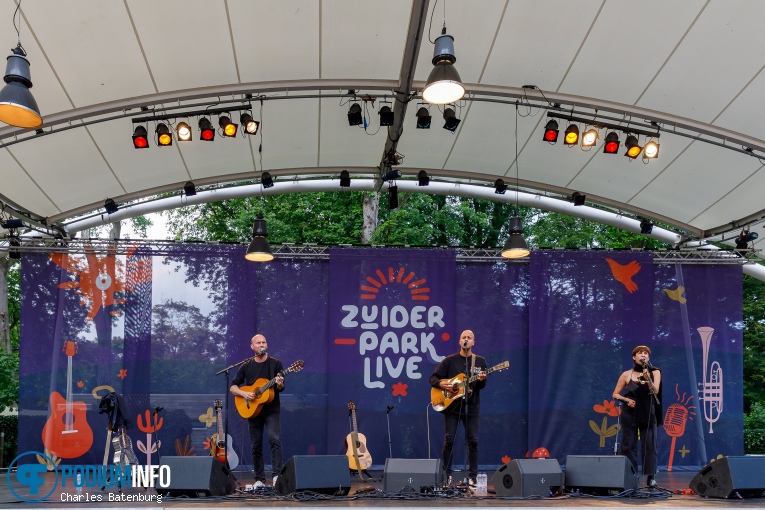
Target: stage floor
(369,494)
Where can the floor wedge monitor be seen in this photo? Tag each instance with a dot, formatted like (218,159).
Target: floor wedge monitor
(600,475)
(731,477)
(528,477)
(326,474)
(195,477)
(412,475)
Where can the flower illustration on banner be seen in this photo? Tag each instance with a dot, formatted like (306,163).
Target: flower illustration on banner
(99,280)
(206,443)
(541,453)
(208,418)
(80,384)
(122,374)
(506,459)
(608,407)
(399,389)
(604,431)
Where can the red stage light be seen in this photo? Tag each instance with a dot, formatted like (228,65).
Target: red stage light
(140,140)
(551,132)
(207,132)
(612,143)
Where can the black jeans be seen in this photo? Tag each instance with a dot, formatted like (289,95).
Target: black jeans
(451,421)
(273,424)
(630,443)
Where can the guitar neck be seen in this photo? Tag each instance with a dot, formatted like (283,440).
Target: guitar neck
(488,371)
(220,424)
(68,392)
(353,419)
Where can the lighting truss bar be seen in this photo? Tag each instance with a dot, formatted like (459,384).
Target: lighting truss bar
(605,125)
(316,251)
(195,113)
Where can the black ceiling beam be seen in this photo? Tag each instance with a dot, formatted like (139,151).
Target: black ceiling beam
(195,113)
(604,125)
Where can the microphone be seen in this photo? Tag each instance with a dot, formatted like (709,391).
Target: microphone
(465,344)
(390,407)
(262,351)
(158,409)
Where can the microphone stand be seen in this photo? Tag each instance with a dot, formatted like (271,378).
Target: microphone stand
(156,434)
(465,467)
(387,418)
(618,403)
(225,414)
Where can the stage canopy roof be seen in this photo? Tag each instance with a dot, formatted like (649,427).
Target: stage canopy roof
(689,71)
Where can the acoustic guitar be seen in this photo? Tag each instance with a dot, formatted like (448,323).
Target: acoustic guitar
(264,392)
(217,447)
(442,399)
(67,434)
(359,457)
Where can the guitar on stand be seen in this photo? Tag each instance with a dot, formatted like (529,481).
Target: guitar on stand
(264,392)
(123,450)
(359,458)
(442,399)
(220,448)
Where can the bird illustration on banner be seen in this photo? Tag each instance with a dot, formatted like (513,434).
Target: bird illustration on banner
(624,273)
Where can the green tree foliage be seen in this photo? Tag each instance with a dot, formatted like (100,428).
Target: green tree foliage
(754,429)
(754,342)
(9,362)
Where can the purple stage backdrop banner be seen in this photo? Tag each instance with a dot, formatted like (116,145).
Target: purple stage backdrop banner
(371,325)
(391,320)
(589,310)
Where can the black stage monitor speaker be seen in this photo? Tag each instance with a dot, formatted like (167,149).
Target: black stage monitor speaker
(326,474)
(731,477)
(600,474)
(528,477)
(412,475)
(197,477)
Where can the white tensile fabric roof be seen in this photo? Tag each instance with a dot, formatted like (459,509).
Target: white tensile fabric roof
(693,67)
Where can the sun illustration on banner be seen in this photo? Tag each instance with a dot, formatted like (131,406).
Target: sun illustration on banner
(418,292)
(98,279)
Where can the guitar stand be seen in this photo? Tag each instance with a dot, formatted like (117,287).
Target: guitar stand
(355,472)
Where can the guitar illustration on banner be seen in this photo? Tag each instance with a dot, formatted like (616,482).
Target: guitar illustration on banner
(218,447)
(67,433)
(359,458)
(442,399)
(264,392)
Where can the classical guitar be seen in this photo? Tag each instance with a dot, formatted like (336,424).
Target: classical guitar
(218,447)
(359,457)
(442,399)
(264,392)
(67,434)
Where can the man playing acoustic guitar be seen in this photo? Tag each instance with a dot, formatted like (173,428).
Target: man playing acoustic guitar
(462,409)
(262,366)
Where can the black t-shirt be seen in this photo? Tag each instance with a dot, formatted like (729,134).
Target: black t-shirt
(453,365)
(252,371)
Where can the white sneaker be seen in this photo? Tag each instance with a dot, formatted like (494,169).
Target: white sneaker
(274,481)
(258,484)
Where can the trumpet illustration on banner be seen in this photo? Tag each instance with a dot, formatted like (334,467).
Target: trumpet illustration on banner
(711,394)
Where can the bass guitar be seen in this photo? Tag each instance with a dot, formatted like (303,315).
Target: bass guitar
(223,451)
(67,434)
(264,392)
(442,399)
(359,457)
